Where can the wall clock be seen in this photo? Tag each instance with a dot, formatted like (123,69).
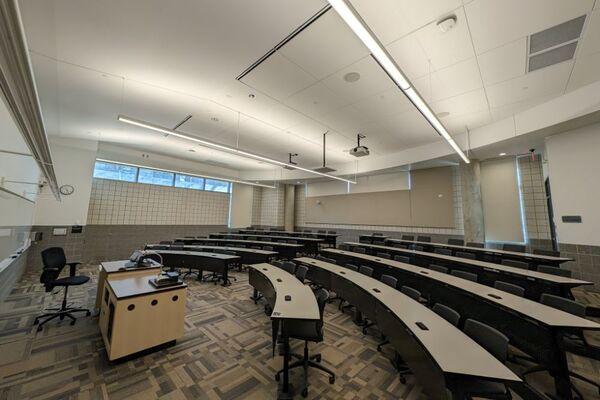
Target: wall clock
(66,190)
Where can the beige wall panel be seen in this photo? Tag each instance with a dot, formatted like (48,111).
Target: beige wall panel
(432,198)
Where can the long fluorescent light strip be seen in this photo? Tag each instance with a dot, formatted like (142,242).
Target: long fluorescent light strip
(243,153)
(187,173)
(347,12)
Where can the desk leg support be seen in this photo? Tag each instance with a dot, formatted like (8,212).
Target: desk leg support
(561,377)
(285,391)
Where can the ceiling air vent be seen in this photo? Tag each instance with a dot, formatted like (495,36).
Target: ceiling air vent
(554,45)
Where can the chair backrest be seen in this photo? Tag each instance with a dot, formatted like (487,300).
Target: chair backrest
(389,280)
(344,247)
(561,303)
(402,259)
(159,247)
(379,242)
(384,255)
(267,239)
(165,242)
(438,268)
(464,275)
(368,271)
(177,246)
(360,250)
(256,247)
(510,288)
(408,237)
(544,252)
(516,264)
(332,232)
(352,267)
(268,248)
(377,234)
(179,243)
(411,292)
(308,230)
(243,246)
(456,242)
(321,231)
(554,271)
(476,244)
(447,313)
(465,254)
(445,252)
(423,238)
(494,341)
(416,247)
(519,248)
(289,267)
(399,245)
(331,260)
(54,260)
(277,263)
(301,272)
(321,257)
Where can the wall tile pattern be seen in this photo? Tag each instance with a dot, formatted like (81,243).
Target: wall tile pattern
(534,198)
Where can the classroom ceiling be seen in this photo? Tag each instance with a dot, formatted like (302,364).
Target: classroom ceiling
(161,61)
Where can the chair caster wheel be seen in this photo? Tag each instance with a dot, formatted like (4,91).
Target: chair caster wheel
(318,358)
(364,331)
(403,380)
(35,321)
(332,380)
(379,349)
(304,392)
(72,323)
(277,377)
(87,314)
(39,328)
(61,317)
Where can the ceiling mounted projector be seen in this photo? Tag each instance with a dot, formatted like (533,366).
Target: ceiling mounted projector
(359,151)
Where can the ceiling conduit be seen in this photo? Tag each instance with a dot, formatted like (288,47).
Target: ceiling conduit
(19,91)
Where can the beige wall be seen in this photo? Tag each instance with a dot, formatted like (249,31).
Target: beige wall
(501,203)
(240,212)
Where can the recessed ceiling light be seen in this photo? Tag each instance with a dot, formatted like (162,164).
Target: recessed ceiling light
(215,119)
(252,95)
(502,154)
(447,23)
(442,114)
(352,77)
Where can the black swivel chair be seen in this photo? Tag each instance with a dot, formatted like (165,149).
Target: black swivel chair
(518,248)
(547,269)
(456,242)
(444,252)
(301,272)
(384,255)
(510,288)
(365,270)
(309,332)
(392,282)
(467,255)
(289,267)
(496,343)
(360,250)
(476,245)
(408,237)
(416,247)
(515,263)
(399,245)
(337,297)
(447,313)
(54,261)
(423,238)
(464,275)
(438,268)
(268,248)
(402,259)
(379,242)
(573,342)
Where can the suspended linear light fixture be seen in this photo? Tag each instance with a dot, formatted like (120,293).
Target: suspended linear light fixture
(225,148)
(354,21)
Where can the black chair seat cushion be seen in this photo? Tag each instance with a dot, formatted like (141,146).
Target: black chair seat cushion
(71,280)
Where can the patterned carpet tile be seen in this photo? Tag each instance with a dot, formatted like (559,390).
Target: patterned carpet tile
(225,354)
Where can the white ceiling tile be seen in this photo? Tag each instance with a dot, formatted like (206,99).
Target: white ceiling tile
(507,110)
(372,80)
(381,105)
(494,23)
(586,71)
(410,57)
(458,124)
(591,40)
(325,47)
(278,77)
(545,81)
(386,18)
(451,81)
(444,49)
(410,128)
(347,120)
(504,62)
(466,103)
(316,100)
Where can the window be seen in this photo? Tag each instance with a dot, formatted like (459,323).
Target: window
(214,185)
(119,172)
(155,177)
(189,182)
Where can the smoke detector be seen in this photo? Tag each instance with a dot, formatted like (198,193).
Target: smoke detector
(447,23)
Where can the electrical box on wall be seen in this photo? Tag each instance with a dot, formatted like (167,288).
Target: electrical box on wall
(571,219)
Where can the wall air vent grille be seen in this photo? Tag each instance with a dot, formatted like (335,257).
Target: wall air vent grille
(554,45)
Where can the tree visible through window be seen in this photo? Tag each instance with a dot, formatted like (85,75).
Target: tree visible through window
(216,186)
(118,172)
(155,177)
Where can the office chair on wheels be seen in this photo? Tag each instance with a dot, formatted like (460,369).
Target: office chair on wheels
(54,261)
(309,331)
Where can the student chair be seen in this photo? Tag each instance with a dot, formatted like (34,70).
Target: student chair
(456,242)
(54,261)
(467,255)
(444,252)
(510,288)
(464,275)
(402,259)
(515,263)
(554,271)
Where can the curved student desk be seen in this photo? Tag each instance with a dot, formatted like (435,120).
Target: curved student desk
(440,355)
(285,250)
(532,327)
(496,255)
(248,256)
(289,299)
(330,238)
(311,245)
(203,261)
(535,283)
